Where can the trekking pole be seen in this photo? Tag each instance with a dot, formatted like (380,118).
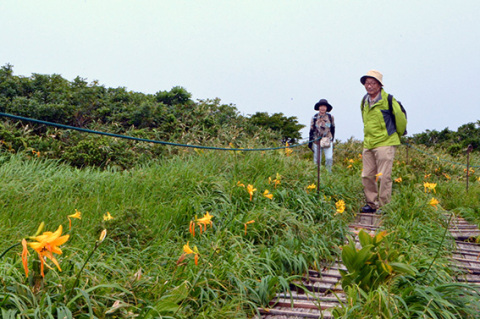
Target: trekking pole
(469,149)
(319,157)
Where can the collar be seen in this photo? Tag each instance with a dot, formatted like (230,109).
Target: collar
(376,99)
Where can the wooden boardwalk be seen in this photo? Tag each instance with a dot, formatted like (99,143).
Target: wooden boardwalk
(318,292)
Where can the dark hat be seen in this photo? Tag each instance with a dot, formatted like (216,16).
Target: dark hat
(323,102)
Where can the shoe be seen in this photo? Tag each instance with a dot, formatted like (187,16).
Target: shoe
(368,209)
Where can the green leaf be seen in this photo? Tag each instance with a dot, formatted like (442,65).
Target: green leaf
(364,238)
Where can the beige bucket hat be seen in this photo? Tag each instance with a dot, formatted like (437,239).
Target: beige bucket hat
(372,74)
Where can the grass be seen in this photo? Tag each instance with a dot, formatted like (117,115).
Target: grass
(140,270)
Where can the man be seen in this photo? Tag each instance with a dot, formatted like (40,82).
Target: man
(382,131)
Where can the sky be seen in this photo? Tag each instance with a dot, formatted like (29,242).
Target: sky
(275,56)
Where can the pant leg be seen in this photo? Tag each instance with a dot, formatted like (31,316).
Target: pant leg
(317,154)
(368,177)
(385,156)
(328,153)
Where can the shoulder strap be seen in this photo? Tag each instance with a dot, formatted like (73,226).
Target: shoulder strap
(390,106)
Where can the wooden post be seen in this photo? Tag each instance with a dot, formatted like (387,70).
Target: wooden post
(469,149)
(407,151)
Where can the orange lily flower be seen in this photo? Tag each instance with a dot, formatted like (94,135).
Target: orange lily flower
(248,223)
(267,194)
(433,202)
(47,245)
(25,256)
(77,215)
(205,220)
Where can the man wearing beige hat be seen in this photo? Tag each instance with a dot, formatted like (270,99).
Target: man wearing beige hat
(382,128)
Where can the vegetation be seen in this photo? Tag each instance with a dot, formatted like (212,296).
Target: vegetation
(451,141)
(169,116)
(250,250)
(132,229)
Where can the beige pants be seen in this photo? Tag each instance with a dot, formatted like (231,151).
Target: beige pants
(377,169)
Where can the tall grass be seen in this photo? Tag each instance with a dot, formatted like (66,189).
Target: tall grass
(141,270)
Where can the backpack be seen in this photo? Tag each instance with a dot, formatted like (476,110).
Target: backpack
(390,108)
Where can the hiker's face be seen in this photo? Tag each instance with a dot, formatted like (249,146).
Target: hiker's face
(372,86)
(322,109)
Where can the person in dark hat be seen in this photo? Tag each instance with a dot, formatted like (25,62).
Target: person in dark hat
(322,134)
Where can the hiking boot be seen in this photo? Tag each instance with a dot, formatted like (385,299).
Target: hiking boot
(368,209)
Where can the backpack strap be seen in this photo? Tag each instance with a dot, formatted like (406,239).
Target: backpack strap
(390,103)
(390,106)
(363,103)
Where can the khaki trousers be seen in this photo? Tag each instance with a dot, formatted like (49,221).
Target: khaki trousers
(377,169)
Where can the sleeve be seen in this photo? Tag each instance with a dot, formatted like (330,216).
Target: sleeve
(332,127)
(311,134)
(400,118)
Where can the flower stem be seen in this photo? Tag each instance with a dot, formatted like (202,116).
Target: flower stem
(77,279)
(9,248)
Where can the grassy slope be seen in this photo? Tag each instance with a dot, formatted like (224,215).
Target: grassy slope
(153,206)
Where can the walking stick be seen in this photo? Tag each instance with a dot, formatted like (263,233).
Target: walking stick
(319,157)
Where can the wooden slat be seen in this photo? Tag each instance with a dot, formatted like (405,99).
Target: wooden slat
(321,290)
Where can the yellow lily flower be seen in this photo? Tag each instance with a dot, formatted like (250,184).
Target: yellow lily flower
(398,180)
(340,206)
(47,245)
(429,187)
(311,187)
(240,184)
(433,202)
(377,176)
(77,215)
(205,220)
(187,250)
(267,194)
(107,217)
(288,151)
(250,190)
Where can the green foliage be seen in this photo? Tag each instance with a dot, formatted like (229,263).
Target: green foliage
(454,142)
(169,116)
(287,126)
(372,265)
(254,247)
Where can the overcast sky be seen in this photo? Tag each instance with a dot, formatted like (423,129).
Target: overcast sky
(262,55)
